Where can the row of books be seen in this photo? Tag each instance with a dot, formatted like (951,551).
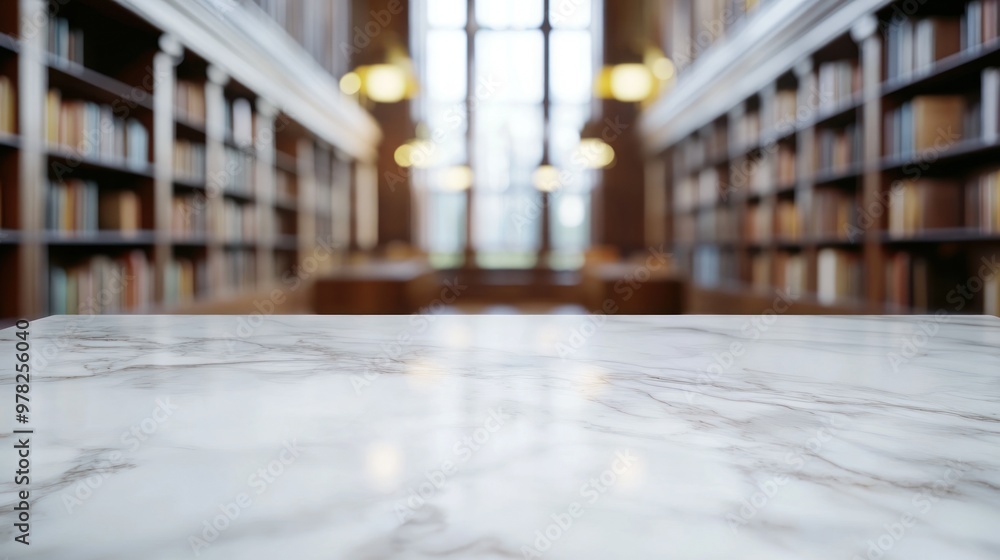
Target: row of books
(837,150)
(239,270)
(8,104)
(717,225)
(759,224)
(982,206)
(916,205)
(102,284)
(80,206)
(749,174)
(238,174)
(745,131)
(710,144)
(95,131)
(838,82)
(239,221)
(839,276)
(188,216)
(712,266)
(786,271)
(65,42)
(239,122)
(189,102)
(189,161)
(924,123)
(914,46)
(186,280)
(835,213)
(785,110)
(980,23)
(787,221)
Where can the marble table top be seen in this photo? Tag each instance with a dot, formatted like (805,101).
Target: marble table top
(769,437)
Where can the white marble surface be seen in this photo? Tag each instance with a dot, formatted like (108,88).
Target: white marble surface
(811,443)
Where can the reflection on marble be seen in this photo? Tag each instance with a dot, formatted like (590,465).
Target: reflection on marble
(509,437)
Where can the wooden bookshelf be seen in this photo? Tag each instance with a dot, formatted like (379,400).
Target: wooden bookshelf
(875,192)
(162,157)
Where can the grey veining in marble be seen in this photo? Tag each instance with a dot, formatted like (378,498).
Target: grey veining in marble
(508,437)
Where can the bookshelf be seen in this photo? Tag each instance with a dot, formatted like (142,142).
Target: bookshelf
(165,156)
(849,156)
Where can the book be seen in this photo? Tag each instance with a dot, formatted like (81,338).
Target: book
(936,38)
(897,280)
(65,42)
(924,204)
(839,82)
(238,176)
(785,111)
(189,102)
(760,272)
(923,124)
(120,211)
(982,202)
(8,112)
(102,284)
(838,275)
(787,221)
(93,131)
(834,213)
(189,161)
(838,149)
(188,216)
(239,270)
(72,206)
(790,272)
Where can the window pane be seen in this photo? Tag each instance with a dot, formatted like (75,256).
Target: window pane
(513,61)
(446,13)
(446,222)
(508,145)
(570,219)
(446,65)
(570,61)
(502,14)
(507,222)
(447,124)
(569,13)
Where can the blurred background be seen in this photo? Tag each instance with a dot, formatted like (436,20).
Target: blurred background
(488,156)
